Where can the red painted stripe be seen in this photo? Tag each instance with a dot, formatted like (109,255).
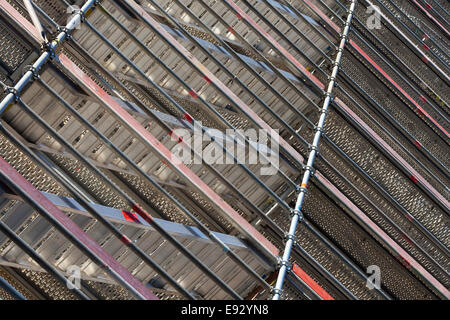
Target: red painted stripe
(420,111)
(391,151)
(404,262)
(146,216)
(76,231)
(231,30)
(288,147)
(397,86)
(414,179)
(409,217)
(231,95)
(366,56)
(399,251)
(188,117)
(311,283)
(276,44)
(125,240)
(164,154)
(193,94)
(417,144)
(430,16)
(323,16)
(130,216)
(21,20)
(175,137)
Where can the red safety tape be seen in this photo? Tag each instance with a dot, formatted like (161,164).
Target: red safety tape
(420,111)
(426,47)
(167,165)
(417,144)
(423,98)
(409,217)
(188,117)
(414,179)
(428,6)
(193,94)
(425,59)
(125,240)
(144,215)
(130,216)
(231,30)
(311,283)
(207,79)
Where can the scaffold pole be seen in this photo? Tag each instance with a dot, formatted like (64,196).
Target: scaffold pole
(297,214)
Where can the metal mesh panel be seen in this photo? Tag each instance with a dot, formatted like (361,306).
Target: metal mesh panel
(13,51)
(343,231)
(14,283)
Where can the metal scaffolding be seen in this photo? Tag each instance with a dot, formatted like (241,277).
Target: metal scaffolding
(89,136)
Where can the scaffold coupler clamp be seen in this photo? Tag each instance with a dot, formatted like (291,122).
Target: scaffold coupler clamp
(337,64)
(279,292)
(314,148)
(299,189)
(326,111)
(329,94)
(311,170)
(48,47)
(295,212)
(13,91)
(66,31)
(292,238)
(33,71)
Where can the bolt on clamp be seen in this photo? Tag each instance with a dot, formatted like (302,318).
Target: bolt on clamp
(66,31)
(323,111)
(295,212)
(293,238)
(329,94)
(319,129)
(13,91)
(48,47)
(34,72)
(277,291)
(311,170)
(314,148)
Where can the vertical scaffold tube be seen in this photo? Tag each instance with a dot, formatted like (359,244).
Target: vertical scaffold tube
(297,215)
(50,51)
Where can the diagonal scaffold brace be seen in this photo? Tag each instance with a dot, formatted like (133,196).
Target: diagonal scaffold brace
(309,170)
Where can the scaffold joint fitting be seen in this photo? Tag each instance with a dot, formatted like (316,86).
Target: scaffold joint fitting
(277,291)
(284,263)
(13,91)
(33,71)
(314,148)
(296,212)
(311,170)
